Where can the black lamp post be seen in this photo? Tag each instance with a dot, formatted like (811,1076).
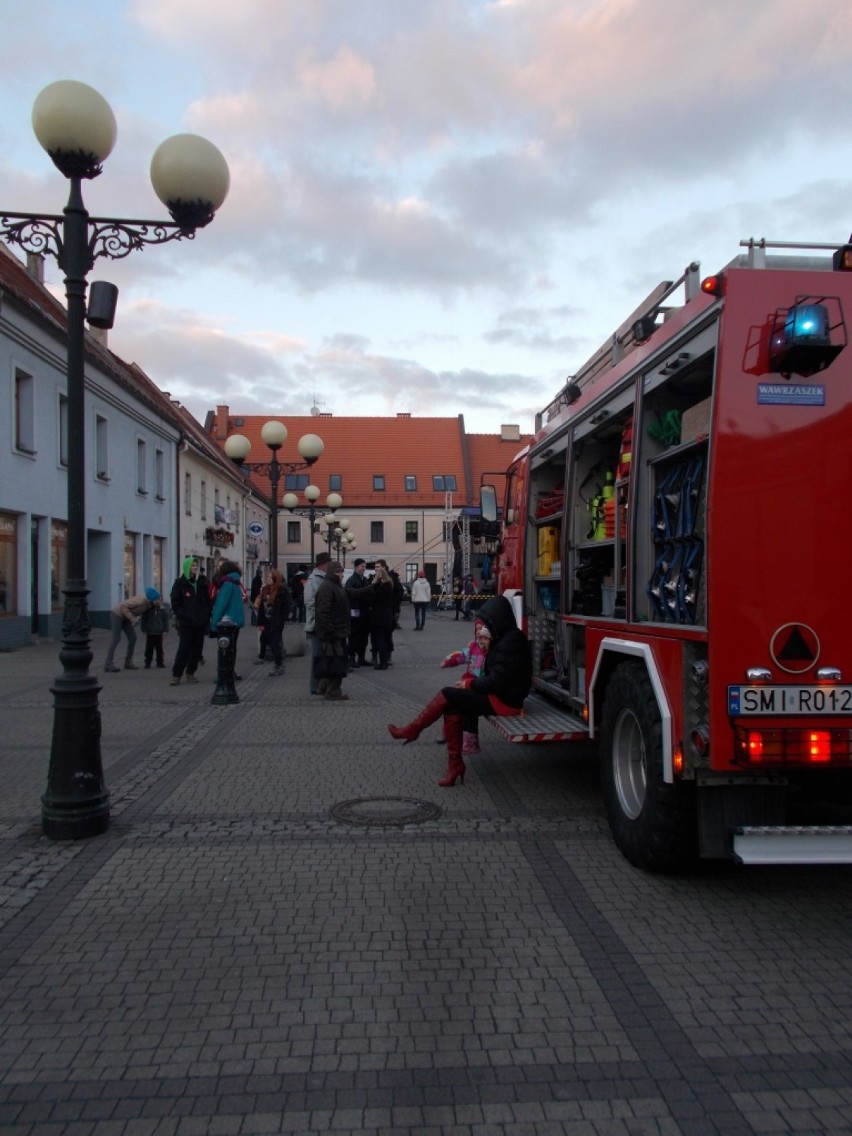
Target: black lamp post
(76,126)
(311,493)
(274,434)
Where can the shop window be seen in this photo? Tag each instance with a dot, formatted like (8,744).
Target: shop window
(8,562)
(58,563)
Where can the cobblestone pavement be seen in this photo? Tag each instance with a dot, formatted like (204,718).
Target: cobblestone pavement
(289,927)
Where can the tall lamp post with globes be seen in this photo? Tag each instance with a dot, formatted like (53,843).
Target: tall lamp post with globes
(76,126)
(274,434)
(311,494)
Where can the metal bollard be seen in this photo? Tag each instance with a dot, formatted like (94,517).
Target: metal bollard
(225,692)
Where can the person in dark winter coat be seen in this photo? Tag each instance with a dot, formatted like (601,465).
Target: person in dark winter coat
(500,689)
(190,602)
(331,627)
(359,616)
(381,618)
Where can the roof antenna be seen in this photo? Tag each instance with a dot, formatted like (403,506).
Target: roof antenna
(315,409)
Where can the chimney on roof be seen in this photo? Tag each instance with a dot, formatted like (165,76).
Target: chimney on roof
(510,433)
(220,429)
(403,414)
(35,266)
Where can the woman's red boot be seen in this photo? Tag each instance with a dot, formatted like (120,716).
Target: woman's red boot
(426,717)
(453,730)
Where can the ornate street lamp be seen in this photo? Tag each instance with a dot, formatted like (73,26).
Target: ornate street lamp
(274,434)
(311,494)
(76,126)
(337,538)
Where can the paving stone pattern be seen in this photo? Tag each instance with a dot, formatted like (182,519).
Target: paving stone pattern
(236,955)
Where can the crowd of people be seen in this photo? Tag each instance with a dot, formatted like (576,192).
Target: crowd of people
(344,619)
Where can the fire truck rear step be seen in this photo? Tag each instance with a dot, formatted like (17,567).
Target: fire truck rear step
(540,722)
(815,844)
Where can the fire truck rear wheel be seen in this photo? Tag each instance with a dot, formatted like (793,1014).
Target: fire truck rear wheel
(652,823)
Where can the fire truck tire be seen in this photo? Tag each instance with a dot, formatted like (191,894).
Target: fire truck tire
(652,823)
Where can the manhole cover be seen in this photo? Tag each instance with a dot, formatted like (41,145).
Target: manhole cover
(385,812)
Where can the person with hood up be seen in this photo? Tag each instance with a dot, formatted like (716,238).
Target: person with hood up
(190,602)
(122,618)
(500,689)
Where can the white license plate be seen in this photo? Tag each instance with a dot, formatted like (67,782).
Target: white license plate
(802,701)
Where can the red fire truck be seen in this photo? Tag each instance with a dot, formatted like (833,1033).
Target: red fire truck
(677,545)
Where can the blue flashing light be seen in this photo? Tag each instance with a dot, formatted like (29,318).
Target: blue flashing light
(808,323)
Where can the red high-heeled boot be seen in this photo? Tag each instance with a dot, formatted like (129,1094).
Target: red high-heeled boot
(453,730)
(429,714)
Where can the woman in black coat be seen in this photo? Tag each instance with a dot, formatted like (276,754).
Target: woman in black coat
(500,689)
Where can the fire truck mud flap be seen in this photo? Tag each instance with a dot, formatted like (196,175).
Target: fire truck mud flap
(773,844)
(540,722)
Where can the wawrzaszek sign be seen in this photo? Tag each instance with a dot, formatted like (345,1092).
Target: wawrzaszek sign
(256,528)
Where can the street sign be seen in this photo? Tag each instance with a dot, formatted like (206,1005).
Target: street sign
(257,528)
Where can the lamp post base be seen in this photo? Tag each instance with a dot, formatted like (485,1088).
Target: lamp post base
(76,803)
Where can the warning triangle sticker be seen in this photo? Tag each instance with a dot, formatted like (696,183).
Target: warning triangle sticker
(796,649)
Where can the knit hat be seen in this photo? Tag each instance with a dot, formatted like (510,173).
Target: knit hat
(322,558)
(152,594)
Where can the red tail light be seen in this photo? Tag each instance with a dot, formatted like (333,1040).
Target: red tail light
(777,748)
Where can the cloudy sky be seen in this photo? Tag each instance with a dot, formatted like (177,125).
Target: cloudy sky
(436,206)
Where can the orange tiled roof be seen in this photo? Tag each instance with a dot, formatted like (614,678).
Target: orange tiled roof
(359,448)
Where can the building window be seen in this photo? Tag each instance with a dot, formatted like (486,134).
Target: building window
(294,532)
(377,532)
(141,463)
(58,563)
(187,494)
(411,532)
(160,475)
(8,564)
(410,483)
(63,430)
(411,573)
(204,500)
(101,448)
(444,483)
(295,482)
(379,482)
(24,412)
(335,482)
